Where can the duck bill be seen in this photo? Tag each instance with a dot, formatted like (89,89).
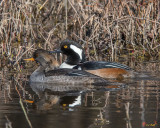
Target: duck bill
(56,51)
(30,59)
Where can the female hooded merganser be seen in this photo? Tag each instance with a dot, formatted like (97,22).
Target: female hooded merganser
(76,59)
(60,76)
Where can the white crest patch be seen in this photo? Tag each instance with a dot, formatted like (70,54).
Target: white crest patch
(76,50)
(65,65)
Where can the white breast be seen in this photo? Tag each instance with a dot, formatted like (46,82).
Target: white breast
(65,65)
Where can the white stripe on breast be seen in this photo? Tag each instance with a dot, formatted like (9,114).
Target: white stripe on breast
(65,65)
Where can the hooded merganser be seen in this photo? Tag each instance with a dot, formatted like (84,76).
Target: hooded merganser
(76,60)
(60,76)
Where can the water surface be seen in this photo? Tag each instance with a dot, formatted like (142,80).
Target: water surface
(136,105)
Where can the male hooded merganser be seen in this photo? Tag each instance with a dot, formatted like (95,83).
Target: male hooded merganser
(76,59)
(60,76)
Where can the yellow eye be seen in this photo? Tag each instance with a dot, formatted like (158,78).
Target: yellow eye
(65,46)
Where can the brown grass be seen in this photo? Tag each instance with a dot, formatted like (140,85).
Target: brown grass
(112,27)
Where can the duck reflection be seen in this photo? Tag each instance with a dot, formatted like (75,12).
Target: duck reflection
(50,96)
(62,96)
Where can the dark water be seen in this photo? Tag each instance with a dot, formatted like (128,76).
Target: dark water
(137,105)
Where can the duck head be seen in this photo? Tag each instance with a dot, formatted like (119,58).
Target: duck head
(44,58)
(73,51)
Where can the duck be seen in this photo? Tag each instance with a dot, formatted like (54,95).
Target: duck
(49,72)
(76,60)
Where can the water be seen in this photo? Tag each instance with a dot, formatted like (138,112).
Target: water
(137,105)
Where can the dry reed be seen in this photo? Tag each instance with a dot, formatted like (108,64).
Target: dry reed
(111,27)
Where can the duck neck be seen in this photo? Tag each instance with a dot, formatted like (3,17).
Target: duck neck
(38,75)
(75,59)
(71,61)
(40,69)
